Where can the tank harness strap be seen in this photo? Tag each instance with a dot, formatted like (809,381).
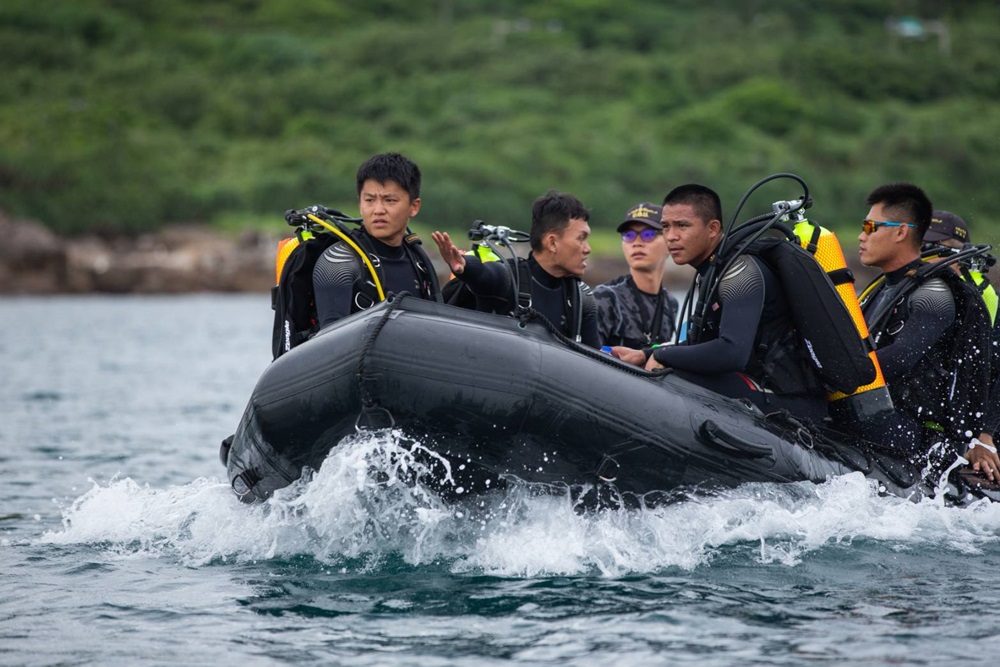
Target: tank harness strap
(837,276)
(362,254)
(813,244)
(523,284)
(896,298)
(575,319)
(704,287)
(423,264)
(868,344)
(869,291)
(841,276)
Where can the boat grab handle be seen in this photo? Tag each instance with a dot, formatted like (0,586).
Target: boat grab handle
(367,414)
(716,436)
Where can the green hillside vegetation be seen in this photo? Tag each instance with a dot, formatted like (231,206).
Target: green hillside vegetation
(124,115)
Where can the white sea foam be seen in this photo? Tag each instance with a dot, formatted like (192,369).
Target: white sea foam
(359,509)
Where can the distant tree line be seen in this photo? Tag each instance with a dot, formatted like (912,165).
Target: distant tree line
(119,116)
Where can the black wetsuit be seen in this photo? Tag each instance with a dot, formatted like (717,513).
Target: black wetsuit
(492,285)
(992,416)
(904,343)
(747,346)
(339,269)
(906,339)
(628,316)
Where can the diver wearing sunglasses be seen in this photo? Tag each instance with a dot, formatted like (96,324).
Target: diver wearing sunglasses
(871,226)
(926,324)
(635,310)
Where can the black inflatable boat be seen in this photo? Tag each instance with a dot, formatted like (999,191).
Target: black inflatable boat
(498,398)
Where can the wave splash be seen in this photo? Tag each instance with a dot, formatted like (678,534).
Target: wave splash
(364,506)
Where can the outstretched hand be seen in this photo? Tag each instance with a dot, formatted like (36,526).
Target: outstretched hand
(450,253)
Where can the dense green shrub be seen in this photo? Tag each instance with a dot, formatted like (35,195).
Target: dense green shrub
(123,115)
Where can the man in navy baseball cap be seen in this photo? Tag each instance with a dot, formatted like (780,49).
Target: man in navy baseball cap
(947,229)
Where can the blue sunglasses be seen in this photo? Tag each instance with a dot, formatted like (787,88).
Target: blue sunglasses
(869,226)
(647,235)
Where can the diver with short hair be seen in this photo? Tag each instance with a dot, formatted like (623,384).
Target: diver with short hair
(746,346)
(920,328)
(555,266)
(388,187)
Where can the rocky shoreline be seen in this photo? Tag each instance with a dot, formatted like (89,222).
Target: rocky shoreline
(182,259)
(176,260)
(34,260)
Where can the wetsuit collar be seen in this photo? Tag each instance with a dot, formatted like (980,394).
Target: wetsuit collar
(542,276)
(384,250)
(703,267)
(897,276)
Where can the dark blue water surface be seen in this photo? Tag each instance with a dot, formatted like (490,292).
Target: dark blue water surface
(121,543)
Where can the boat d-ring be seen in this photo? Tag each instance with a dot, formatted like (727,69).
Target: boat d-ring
(607,470)
(367,413)
(244,482)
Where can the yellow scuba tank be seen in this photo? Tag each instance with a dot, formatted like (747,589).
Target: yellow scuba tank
(483,252)
(989,294)
(330,223)
(285,248)
(871,399)
(970,274)
(455,291)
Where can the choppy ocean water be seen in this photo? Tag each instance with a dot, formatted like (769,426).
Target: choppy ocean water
(121,543)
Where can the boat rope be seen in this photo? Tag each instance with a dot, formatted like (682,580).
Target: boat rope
(527,314)
(369,405)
